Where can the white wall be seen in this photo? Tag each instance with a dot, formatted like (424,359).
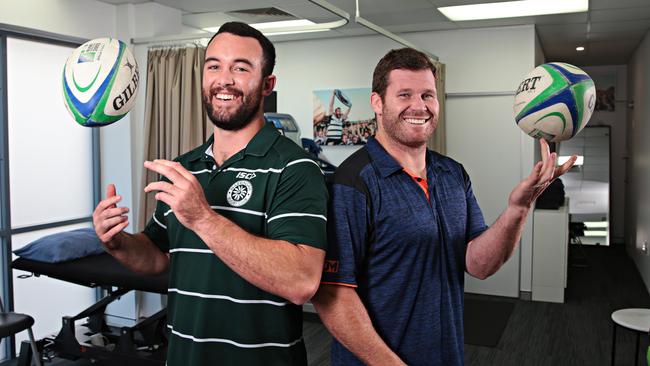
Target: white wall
(481,132)
(637,216)
(78,18)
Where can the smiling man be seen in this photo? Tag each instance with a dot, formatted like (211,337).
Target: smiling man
(240,222)
(403,228)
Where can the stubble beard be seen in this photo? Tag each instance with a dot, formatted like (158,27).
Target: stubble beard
(397,129)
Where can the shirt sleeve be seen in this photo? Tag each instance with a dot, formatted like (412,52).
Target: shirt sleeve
(475,221)
(298,211)
(156,229)
(348,228)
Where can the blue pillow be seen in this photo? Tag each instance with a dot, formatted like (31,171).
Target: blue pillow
(61,247)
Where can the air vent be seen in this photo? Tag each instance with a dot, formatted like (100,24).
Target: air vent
(271,12)
(261,15)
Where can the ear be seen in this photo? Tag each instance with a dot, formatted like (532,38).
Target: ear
(269,84)
(376,103)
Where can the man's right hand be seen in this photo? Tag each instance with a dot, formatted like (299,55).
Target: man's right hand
(108,219)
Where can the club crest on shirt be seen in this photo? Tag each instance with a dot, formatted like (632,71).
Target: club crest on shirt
(239,193)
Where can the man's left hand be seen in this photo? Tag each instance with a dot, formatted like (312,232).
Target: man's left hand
(184,194)
(541,177)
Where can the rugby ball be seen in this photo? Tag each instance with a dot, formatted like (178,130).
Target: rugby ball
(554,101)
(100,82)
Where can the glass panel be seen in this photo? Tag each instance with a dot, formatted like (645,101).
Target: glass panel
(588,184)
(50,155)
(44,298)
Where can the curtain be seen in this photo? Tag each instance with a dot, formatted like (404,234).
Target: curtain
(437,141)
(175,121)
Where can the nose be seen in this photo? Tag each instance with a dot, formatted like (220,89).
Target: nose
(224,77)
(418,104)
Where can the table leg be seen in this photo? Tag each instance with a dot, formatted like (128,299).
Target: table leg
(613,343)
(636,353)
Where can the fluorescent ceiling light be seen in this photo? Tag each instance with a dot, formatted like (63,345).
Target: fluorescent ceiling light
(596,224)
(512,9)
(287,27)
(294,32)
(580,48)
(282,24)
(563,159)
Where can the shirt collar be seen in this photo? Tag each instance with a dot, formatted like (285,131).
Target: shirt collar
(387,165)
(259,145)
(204,152)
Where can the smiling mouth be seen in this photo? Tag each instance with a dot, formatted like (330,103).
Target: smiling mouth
(224,96)
(416,121)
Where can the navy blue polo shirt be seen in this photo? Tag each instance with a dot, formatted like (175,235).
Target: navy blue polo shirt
(404,253)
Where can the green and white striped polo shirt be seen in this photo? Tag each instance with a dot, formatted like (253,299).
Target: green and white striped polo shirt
(272,189)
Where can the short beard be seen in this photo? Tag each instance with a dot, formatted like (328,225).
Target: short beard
(241,118)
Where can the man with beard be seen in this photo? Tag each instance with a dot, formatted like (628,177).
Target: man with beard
(240,222)
(403,228)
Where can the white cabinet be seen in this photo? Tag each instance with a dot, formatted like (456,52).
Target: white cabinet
(550,252)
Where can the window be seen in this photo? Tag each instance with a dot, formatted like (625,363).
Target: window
(47,176)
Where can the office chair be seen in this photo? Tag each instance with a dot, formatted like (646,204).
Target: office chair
(12,323)
(576,230)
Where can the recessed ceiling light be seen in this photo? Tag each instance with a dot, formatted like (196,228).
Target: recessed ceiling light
(580,48)
(511,9)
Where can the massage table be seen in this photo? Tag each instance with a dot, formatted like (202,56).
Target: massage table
(143,344)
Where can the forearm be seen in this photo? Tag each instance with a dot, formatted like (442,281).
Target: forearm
(345,316)
(276,266)
(138,252)
(489,251)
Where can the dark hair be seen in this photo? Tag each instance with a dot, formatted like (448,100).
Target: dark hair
(403,58)
(245,30)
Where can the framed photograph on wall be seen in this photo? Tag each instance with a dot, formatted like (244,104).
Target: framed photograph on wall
(605,92)
(343,116)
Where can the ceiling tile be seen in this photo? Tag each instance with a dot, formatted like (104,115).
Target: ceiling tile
(562,33)
(640,25)
(404,17)
(616,4)
(597,53)
(625,14)
(615,36)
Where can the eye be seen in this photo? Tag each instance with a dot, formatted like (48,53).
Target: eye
(428,96)
(240,69)
(404,95)
(212,67)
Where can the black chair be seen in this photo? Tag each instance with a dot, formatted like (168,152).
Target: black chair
(12,323)
(577,230)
